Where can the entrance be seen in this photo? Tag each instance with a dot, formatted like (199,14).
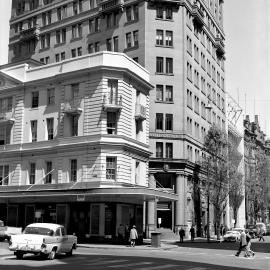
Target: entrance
(164,214)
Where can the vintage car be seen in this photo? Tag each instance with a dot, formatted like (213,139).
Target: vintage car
(7,231)
(45,239)
(231,236)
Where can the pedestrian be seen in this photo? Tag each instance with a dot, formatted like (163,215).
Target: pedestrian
(133,236)
(249,252)
(121,232)
(182,234)
(260,235)
(243,244)
(192,233)
(205,231)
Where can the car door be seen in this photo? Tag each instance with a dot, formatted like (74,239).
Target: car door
(65,242)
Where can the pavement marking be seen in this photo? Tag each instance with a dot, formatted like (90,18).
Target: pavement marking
(131,264)
(198,268)
(166,266)
(99,262)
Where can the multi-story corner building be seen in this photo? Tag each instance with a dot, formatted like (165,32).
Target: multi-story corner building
(256,171)
(75,144)
(181,44)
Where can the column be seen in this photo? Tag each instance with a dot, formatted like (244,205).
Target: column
(151,209)
(181,204)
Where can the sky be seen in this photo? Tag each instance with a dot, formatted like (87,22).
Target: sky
(247,30)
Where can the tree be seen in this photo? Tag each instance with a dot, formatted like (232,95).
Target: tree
(218,172)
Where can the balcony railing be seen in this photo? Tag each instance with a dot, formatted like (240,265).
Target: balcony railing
(72,106)
(112,102)
(7,118)
(140,112)
(31,33)
(220,46)
(198,15)
(110,5)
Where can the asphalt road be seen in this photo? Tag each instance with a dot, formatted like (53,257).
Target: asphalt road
(184,258)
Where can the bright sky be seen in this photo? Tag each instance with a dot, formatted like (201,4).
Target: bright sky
(247,29)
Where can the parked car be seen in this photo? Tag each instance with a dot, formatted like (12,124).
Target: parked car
(45,239)
(231,236)
(7,231)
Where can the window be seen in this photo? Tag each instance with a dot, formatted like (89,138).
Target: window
(97,24)
(128,14)
(97,45)
(169,39)
(189,125)
(159,13)
(189,153)
(169,122)
(168,13)
(111,122)
(115,44)
(74,125)
(159,121)
(50,128)
(77,31)
(57,57)
(189,99)
(159,92)
(35,97)
(135,12)
(196,53)
(63,56)
(79,51)
(50,95)
(159,149)
(73,53)
(6,104)
(32,174)
(109,44)
(60,36)
(189,71)
(111,168)
(73,170)
(34,130)
(90,48)
(136,38)
(75,8)
(159,64)
(159,37)
(91,26)
(169,93)
(5,134)
(4,175)
(189,45)
(128,40)
(197,130)
(169,150)
(109,20)
(48,179)
(75,90)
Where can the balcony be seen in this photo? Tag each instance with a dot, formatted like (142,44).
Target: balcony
(112,103)
(31,33)
(140,112)
(198,15)
(72,106)
(220,47)
(111,5)
(6,118)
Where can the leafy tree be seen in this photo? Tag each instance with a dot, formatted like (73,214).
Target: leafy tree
(218,172)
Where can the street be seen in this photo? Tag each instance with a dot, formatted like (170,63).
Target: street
(141,258)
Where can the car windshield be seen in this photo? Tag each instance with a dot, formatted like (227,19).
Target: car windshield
(38,230)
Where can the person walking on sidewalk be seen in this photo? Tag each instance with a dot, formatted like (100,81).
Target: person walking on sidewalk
(243,244)
(260,235)
(133,236)
(249,252)
(182,234)
(192,233)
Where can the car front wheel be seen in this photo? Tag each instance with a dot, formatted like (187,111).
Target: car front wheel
(52,254)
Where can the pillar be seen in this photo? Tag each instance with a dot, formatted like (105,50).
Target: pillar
(181,204)
(151,209)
